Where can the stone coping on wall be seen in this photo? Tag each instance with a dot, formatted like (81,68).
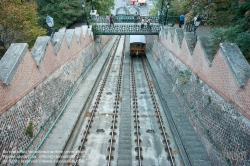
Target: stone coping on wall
(21,69)
(225,69)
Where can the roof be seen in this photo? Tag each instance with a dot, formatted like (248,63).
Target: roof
(137,38)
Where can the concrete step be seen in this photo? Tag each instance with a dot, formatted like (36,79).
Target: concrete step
(202,163)
(125,157)
(123,146)
(124,137)
(124,162)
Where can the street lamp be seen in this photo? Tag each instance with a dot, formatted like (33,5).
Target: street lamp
(92,9)
(50,23)
(83,6)
(162,5)
(168,5)
(161,12)
(197,21)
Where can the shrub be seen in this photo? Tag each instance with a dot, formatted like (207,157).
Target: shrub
(234,34)
(184,75)
(242,40)
(29,130)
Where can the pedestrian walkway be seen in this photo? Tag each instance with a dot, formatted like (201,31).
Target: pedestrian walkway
(202,30)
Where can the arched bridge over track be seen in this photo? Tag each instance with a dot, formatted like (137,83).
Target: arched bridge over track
(127,25)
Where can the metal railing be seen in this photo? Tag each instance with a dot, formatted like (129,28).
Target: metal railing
(129,29)
(130,19)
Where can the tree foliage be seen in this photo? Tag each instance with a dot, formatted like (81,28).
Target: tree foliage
(66,12)
(102,6)
(229,19)
(18,22)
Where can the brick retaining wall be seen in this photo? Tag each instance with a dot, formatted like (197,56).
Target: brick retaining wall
(35,92)
(222,128)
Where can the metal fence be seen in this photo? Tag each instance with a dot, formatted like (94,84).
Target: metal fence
(130,19)
(126,30)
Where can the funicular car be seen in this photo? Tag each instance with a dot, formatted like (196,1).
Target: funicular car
(137,45)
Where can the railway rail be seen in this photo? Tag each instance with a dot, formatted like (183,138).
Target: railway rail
(94,110)
(97,142)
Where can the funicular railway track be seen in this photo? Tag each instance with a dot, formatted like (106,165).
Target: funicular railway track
(150,140)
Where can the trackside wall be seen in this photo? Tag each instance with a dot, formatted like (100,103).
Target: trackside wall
(215,98)
(39,84)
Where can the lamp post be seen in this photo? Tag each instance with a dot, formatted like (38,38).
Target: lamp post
(50,23)
(197,21)
(161,13)
(83,6)
(168,5)
(92,7)
(162,6)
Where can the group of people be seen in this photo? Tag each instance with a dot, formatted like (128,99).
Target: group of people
(110,21)
(149,23)
(183,22)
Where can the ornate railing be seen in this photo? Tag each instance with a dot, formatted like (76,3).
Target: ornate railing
(124,19)
(130,19)
(127,25)
(126,30)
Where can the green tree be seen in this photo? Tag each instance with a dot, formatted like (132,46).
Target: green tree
(229,19)
(236,28)
(102,6)
(66,12)
(18,23)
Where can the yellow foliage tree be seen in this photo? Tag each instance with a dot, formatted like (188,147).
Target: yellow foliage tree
(18,22)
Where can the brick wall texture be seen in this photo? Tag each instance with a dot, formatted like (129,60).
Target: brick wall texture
(217,108)
(37,94)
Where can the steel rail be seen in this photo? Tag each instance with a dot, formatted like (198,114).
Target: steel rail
(84,139)
(182,151)
(135,106)
(116,107)
(157,110)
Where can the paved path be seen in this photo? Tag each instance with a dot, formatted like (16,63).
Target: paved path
(202,30)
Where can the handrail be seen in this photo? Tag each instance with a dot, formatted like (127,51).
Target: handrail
(130,19)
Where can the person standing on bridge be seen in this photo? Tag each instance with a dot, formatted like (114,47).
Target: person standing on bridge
(135,17)
(149,24)
(107,19)
(142,23)
(111,19)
